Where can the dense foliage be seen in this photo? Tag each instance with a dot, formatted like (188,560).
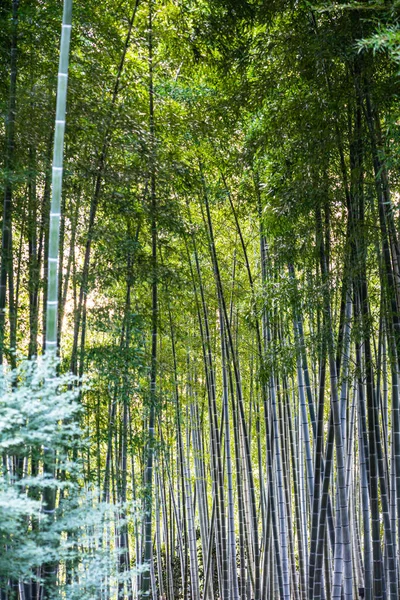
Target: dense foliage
(220,278)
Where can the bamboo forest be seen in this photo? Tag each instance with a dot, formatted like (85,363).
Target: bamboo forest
(200,300)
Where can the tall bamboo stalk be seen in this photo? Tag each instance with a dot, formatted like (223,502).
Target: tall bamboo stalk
(6,268)
(57,177)
(49,572)
(148,478)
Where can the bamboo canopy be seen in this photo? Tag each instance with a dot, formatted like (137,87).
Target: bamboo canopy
(200,300)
